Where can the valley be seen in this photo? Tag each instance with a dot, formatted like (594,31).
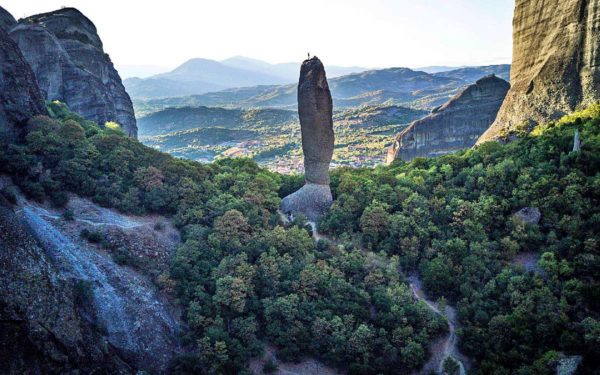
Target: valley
(261,122)
(234,216)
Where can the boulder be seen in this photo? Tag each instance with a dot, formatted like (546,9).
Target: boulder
(20,97)
(529,215)
(453,126)
(556,64)
(68,59)
(315,110)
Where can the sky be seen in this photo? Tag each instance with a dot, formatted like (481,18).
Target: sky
(159,35)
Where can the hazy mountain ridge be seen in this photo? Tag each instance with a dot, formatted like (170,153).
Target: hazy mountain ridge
(392,86)
(199,76)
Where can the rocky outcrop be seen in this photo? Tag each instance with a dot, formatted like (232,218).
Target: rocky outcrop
(6,19)
(455,125)
(529,215)
(315,110)
(44,326)
(67,57)
(66,307)
(20,97)
(556,64)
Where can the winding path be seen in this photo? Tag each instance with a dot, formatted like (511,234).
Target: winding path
(443,348)
(447,347)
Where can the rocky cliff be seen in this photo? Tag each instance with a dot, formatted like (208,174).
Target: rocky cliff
(65,306)
(6,19)
(455,125)
(556,63)
(315,110)
(67,57)
(20,96)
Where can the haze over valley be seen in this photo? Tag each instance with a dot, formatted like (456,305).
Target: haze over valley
(371,106)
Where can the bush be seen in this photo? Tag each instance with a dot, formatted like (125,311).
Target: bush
(10,194)
(92,236)
(68,215)
(270,367)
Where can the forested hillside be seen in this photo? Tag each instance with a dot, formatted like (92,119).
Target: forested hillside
(245,279)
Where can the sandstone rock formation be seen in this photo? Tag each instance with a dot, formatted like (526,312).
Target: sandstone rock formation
(6,19)
(315,110)
(67,57)
(556,63)
(455,125)
(20,97)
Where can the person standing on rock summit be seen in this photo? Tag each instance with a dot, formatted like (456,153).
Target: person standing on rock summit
(315,109)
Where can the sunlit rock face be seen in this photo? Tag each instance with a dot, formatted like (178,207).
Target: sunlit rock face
(315,110)
(67,57)
(453,126)
(20,97)
(556,63)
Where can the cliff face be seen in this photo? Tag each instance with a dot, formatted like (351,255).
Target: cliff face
(6,19)
(20,96)
(67,307)
(315,109)
(43,325)
(556,63)
(455,125)
(67,57)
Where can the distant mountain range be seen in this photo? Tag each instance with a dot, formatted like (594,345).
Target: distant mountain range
(393,86)
(199,76)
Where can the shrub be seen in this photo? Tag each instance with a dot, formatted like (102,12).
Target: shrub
(68,215)
(10,194)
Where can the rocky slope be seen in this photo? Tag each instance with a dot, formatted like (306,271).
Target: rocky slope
(65,305)
(455,125)
(20,96)
(556,63)
(67,57)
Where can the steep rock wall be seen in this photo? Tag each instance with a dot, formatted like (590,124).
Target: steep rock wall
(20,97)
(67,57)
(556,63)
(455,125)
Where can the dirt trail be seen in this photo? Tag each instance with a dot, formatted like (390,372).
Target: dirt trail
(446,346)
(442,348)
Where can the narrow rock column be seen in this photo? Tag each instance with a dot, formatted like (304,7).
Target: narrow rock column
(576,141)
(315,110)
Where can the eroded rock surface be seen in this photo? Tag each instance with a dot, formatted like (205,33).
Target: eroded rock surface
(20,97)
(455,125)
(66,306)
(556,63)
(6,19)
(67,57)
(315,109)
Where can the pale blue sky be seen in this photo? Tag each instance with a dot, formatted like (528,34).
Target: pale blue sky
(370,33)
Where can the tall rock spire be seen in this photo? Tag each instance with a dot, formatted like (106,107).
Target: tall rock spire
(315,110)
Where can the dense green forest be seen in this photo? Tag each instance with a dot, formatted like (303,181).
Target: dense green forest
(452,220)
(243,278)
